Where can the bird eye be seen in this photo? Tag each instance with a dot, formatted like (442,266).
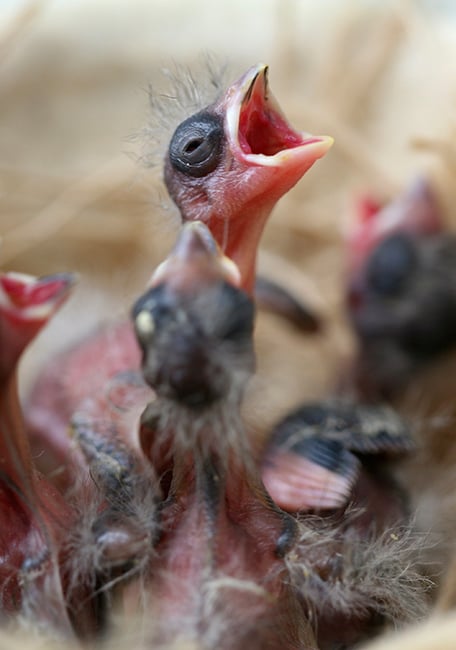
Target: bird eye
(197,144)
(391,265)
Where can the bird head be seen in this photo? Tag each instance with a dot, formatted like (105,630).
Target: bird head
(400,292)
(228,165)
(195,325)
(415,212)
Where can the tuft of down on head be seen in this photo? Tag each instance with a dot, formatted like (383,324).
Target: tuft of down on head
(187,90)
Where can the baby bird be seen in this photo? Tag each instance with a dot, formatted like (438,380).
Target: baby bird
(402,305)
(230,163)
(34,517)
(401,297)
(228,558)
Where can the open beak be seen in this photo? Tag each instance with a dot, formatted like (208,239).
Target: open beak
(273,157)
(34,299)
(259,133)
(196,254)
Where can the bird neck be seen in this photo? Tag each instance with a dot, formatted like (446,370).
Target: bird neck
(15,455)
(239,239)
(15,334)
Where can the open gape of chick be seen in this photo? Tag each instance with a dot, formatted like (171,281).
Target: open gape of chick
(230,568)
(227,165)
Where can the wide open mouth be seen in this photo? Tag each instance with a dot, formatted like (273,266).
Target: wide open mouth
(32,298)
(257,129)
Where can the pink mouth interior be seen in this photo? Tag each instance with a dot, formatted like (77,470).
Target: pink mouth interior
(262,130)
(25,294)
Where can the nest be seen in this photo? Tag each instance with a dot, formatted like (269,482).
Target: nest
(74,194)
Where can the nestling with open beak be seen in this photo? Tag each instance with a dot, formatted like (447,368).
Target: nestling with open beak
(34,519)
(230,163)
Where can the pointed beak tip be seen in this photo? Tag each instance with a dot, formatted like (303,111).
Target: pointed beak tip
(258,74)
(194,241)
(319,146)
(195,237)
(325,143)
(68,280)
(263,71)
(198,229)
(61,284)
(258,70)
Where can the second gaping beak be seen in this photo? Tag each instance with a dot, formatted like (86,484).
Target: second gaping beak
(34,299)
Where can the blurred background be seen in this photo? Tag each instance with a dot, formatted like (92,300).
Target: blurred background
(75,193)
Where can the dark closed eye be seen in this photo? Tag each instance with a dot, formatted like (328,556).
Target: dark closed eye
(197,144)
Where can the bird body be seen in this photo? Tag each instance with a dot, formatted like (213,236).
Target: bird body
(227,552)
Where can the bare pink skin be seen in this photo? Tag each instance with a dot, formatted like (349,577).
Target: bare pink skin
(90,370)
(217,522)
(220,530)
(241,545)
(26,304)
(299,485)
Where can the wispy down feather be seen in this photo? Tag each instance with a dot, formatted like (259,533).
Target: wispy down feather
(187,90)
